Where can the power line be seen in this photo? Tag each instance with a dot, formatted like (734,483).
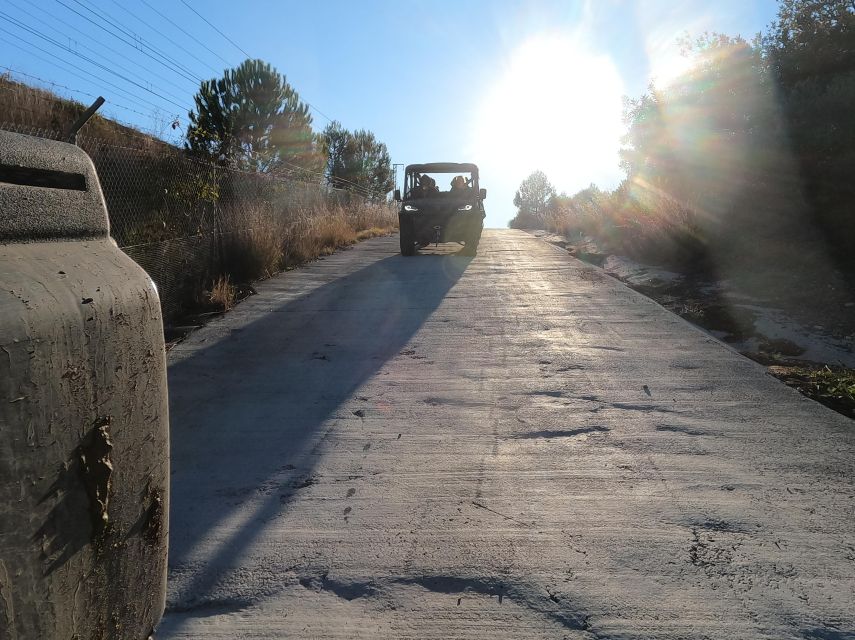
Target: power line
(189,53)
(234,44)
(87,59)
(55,84)
(65,35)
(63,68)
(109,19)
(318,111)
(85,71)
(131,44)
(62,86)
(239,48)
(358,188)
(133,35)
(88,38)
(176,67)
(184,31)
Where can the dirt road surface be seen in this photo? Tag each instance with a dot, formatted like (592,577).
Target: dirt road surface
(514,446)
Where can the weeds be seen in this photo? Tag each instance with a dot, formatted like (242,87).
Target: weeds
(254,251)
(642,223)
(373,232)
(832,386)
(277,239)
(321,231)
(222,294)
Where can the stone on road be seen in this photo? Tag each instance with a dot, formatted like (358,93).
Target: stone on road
(515,446)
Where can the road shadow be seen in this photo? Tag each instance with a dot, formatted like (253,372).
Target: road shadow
(247,412)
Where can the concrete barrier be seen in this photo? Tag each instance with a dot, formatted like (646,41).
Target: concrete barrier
(84,443)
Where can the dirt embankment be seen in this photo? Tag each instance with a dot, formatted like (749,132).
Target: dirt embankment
(808,346)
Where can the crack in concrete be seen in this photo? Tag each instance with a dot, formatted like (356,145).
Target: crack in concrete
(559,433)
(678,429)
(551,605)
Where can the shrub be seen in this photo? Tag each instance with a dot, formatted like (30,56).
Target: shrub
(222,294)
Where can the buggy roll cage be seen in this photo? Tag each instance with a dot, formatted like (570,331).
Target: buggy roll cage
(413,170)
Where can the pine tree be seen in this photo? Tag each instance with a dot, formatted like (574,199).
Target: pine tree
(357,161)
(532,200)
(252,119)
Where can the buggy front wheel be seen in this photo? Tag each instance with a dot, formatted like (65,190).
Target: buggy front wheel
(471,246)
(408,242)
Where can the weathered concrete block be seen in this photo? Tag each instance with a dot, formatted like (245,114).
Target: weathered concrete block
(84,443)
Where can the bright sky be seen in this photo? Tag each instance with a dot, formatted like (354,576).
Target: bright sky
(511,86)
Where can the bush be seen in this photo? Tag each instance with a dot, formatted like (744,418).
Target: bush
(253,252)
(285,238)
(745,161)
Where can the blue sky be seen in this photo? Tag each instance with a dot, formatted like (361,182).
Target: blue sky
(512,86)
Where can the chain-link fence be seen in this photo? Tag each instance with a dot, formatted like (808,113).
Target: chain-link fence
(186,222)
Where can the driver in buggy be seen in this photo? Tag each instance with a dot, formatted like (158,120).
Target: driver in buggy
(426,187)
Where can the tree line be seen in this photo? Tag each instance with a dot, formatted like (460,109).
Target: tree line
(252,119)
(751,150)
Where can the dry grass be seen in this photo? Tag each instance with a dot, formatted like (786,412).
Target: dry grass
(41,111)
(645,224)
(223,294)
(373,232)
(266,228)
(287,237)
(254,251)
(323,231)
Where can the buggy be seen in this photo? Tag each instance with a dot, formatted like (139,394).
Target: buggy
(430,215)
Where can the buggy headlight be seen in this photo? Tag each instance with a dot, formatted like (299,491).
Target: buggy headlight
(465,207)
(409,207)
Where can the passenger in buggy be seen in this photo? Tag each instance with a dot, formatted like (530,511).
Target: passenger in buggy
(459,185)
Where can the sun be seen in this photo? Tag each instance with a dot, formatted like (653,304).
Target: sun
(557,107)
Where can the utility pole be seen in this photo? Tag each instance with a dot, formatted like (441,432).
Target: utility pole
(395,169)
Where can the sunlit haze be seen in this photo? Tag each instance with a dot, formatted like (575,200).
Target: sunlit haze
(566,124)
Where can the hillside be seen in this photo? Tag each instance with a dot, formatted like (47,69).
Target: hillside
(29,109)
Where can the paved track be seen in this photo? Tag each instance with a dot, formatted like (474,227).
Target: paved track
(514,446)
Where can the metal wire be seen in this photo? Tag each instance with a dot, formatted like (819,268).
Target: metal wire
(172,213)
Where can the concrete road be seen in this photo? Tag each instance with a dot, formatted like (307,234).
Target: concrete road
(514,446)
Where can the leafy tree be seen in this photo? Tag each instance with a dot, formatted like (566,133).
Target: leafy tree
(334,141)
(251,118)
(357,161)
(812,40)
(811,51)
(532,200)
(710,127)
(746,155)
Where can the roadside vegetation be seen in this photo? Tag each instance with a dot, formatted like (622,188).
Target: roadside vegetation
(738,171)
(747,155)
(27,108)
(251,190)
(832,386)
(269,245)
(253,120)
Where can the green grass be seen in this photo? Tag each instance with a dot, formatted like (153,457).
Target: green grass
(832,386)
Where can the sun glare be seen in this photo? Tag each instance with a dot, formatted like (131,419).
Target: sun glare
(666,61)
(557,107)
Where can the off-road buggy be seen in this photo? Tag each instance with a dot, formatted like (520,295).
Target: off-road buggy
(430,214)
